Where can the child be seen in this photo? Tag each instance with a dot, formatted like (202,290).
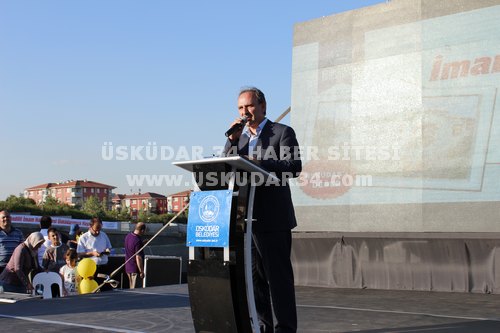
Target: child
(74,234)
(69,274)
(54,256)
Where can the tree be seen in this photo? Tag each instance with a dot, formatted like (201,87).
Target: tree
(144,216)
(104,204)
(51,206)
(18,204)
(93,207)
(118,214)
(13,200)
(124,214)
(50,203)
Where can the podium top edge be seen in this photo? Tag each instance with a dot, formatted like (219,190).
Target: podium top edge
(238,161)
(209,160)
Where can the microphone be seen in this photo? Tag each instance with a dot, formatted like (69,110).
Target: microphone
(237,127)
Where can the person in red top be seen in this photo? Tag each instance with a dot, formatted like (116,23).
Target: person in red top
(133,243)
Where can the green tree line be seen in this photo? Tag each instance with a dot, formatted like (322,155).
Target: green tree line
(91,207)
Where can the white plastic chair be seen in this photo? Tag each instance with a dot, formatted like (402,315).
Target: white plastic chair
(47,279)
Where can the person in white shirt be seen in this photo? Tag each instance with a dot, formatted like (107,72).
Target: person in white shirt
(45,224)
(94,244)
(69,274)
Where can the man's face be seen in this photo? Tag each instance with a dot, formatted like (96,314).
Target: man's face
(95,229)
(54,237)
(5,222)
(249,106)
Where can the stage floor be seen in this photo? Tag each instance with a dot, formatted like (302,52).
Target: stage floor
(166,309)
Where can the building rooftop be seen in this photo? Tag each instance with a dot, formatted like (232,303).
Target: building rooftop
(71,183)
(146,195)
(180,194)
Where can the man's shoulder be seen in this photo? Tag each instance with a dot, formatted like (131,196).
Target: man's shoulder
(277,132)
(85,236)
(131,237)
(276,127)
(14,233)
(17,231)
(104,235)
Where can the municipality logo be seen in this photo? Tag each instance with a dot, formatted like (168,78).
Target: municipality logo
(209,209)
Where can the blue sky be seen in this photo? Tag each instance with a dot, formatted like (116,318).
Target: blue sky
(77,74)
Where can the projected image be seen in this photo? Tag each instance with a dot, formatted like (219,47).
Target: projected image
(396,115)
(449,126)
(442,145)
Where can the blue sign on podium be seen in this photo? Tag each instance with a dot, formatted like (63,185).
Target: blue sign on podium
(208,220)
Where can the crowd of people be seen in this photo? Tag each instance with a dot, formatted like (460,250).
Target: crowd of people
(50,250)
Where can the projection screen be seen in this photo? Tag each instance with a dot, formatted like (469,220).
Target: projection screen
(396,108)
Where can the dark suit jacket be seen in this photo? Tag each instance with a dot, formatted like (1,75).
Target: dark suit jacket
(277,151)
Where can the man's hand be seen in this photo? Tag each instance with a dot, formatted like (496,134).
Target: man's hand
(29,288)
(236,134)
(252,158)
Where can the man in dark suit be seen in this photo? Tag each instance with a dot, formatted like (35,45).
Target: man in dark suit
(275,148)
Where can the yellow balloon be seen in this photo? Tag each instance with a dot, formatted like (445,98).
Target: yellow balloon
(87,286)
(86,268)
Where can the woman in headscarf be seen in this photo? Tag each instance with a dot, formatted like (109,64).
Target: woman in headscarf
(15,277)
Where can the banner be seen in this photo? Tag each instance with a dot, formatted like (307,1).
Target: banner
(208,220)
(61,221)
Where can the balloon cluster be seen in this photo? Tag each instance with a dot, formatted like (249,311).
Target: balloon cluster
(86,269)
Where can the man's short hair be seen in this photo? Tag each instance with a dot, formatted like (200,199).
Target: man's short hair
(261,98)
(140,226)
(95,220)
(45,222)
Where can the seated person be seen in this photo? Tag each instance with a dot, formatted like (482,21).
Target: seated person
(24,261)
(55,254)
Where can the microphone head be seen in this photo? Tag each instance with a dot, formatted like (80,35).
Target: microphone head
(237,127)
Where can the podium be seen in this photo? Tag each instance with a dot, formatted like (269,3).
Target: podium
(220,278)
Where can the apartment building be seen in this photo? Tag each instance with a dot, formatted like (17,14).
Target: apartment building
(177,201)
(151,202)
(71,192)
(146,202)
